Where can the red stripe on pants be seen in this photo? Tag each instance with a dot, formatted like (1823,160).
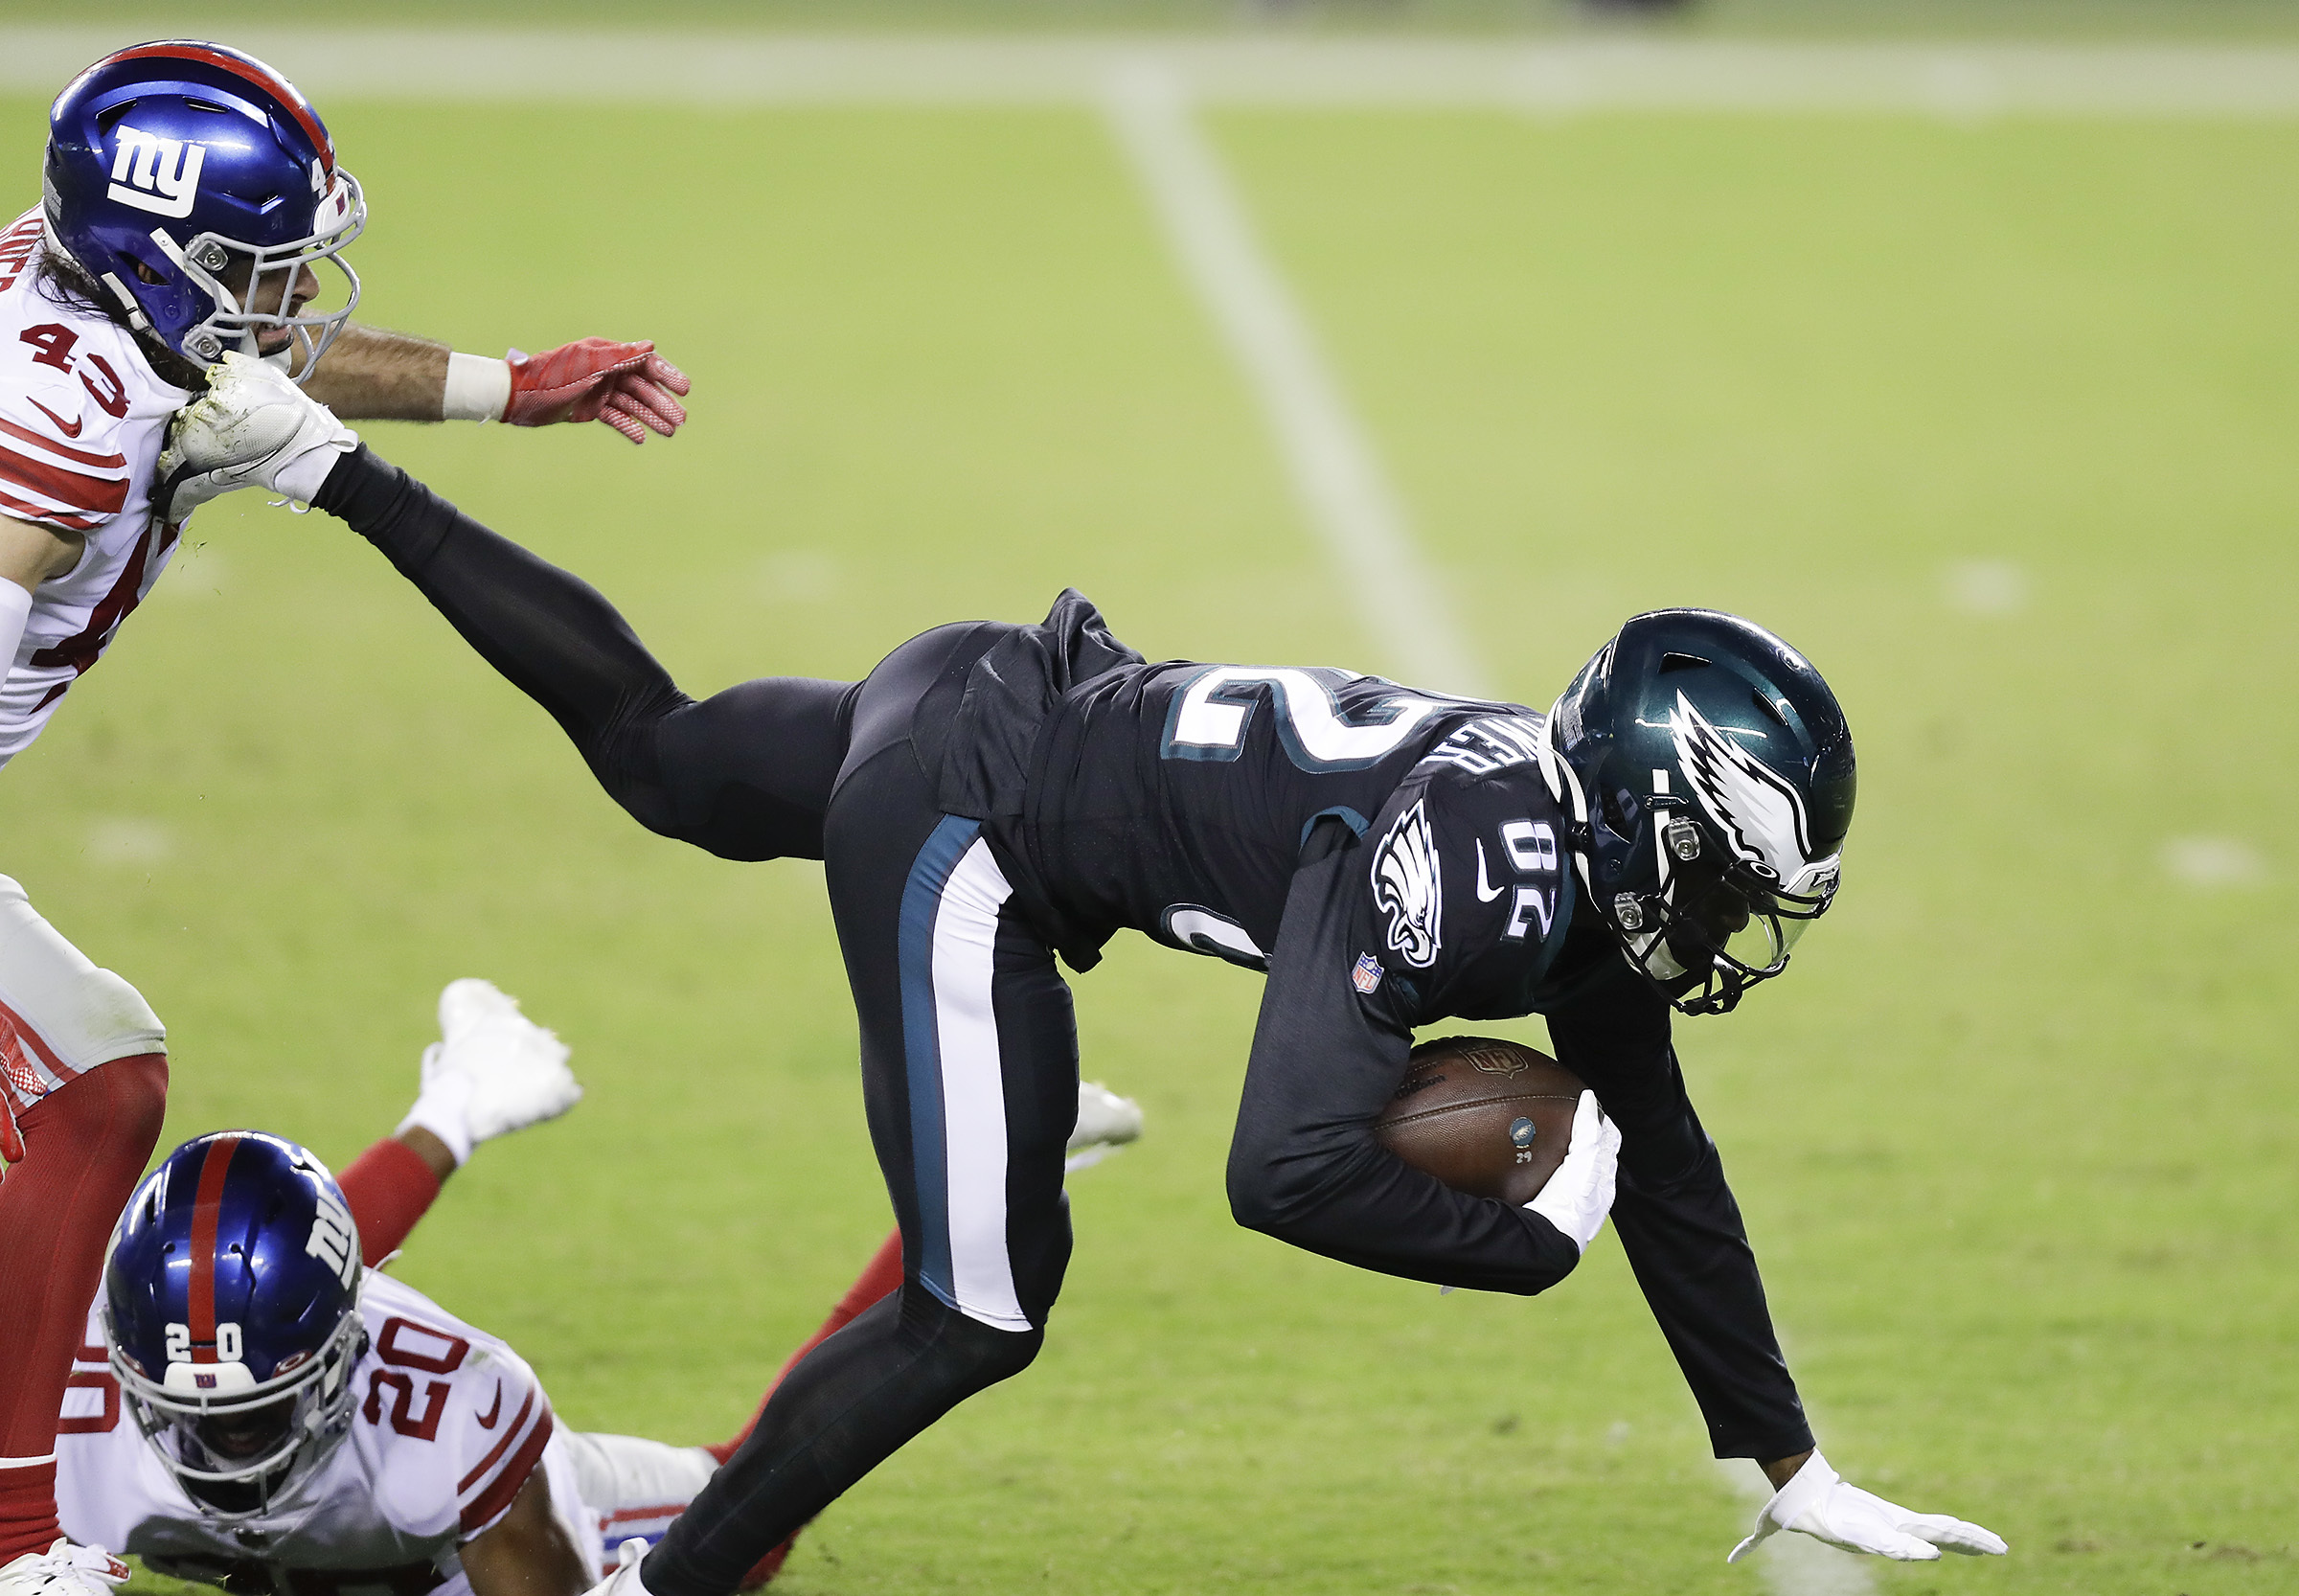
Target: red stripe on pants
(85,1144)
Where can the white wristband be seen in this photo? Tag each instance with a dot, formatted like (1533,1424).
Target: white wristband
(478,387)
(16,608)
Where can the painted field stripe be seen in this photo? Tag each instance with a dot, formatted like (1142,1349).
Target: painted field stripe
(497,66)
(1334,470)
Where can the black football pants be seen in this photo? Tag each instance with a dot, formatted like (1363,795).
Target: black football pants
(969,1077)
(970,1053)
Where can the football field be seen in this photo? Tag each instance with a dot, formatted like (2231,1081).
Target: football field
(1992,417)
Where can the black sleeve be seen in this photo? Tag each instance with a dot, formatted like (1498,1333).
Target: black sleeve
(1678,1220)
(745,773)
(1304,1166)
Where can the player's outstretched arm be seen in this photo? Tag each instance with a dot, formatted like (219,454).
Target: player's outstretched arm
(746,774)
(527,1552)
(492,1072)
(370,375)
(1819,1502)
(1678,1222)
(550,633)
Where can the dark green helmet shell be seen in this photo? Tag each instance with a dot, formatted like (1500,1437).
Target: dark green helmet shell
(1711,770)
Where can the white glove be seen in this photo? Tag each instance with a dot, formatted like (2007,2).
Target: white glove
(1818,1503)
(493,1071)
(1579,1194)
(625,1580)
(253,425)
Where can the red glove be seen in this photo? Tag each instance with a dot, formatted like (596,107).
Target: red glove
(627,386)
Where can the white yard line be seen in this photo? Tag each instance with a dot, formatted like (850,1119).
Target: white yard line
(1796,1565)
(1334,470)
(1955,81)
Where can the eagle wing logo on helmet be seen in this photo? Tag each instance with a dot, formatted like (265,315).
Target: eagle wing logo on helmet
(1409,885)
(1758,810)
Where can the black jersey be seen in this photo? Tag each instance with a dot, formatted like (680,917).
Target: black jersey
(1391,860)
(1177,799)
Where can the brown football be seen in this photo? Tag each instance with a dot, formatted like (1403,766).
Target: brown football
(1485,1116)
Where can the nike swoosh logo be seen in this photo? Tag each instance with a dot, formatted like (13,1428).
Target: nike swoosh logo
(493,1414)
(70,429)
(1486,891)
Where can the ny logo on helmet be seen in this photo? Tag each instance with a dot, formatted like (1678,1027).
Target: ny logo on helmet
(156,175)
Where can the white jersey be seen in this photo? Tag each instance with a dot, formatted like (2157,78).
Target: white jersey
(450,1425)
(82,418)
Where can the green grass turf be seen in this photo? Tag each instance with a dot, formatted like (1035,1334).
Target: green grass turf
(2186,20)
(2015,1143)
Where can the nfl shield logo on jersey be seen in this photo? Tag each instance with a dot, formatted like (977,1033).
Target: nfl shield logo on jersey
(1367,974)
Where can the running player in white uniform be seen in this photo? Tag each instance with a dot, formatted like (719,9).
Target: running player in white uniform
(438,1464)
(190,191)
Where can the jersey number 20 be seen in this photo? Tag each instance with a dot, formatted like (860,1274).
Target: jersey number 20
(1212,714)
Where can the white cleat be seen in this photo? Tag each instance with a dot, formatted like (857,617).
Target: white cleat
(1103,1116)
(253,427)
(1105,1123)
(518,1070)
(63,1570)
(625,1580)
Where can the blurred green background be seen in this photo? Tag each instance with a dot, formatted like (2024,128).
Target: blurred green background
(1992,419)
(2231,20)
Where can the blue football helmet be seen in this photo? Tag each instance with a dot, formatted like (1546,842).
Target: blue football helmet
(207,170)
(1709,773)
(232,1315)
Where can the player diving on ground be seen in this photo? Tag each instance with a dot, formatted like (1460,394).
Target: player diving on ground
(283,1417)
(992,795)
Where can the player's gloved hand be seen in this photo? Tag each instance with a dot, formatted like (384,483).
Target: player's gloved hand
(625,1580)
(1579,1194)
(493,1070)
(627,386)
(251,427)
(1818,1503)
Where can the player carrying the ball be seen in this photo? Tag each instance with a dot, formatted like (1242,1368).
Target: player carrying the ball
(992,795)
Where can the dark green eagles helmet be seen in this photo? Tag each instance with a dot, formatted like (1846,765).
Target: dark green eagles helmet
(1709,773)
